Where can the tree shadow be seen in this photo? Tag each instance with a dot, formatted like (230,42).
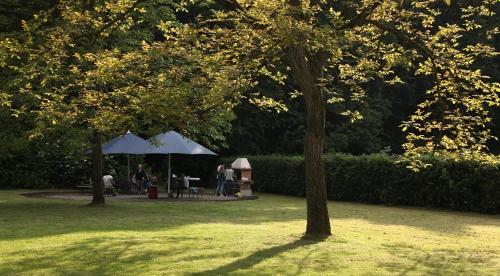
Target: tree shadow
(261,255)
(435,220)
(49,217)
(31,218)
(95,256)
(409,259)
(111,256)
(70,216)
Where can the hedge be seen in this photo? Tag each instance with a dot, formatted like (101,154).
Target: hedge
(459,185)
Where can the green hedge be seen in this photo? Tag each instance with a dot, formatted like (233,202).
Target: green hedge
(459,185)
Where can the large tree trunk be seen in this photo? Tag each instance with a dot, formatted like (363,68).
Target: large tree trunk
(98,186)
(307,70)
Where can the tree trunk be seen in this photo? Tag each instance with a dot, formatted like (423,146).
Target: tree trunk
(307,70)
(98,186)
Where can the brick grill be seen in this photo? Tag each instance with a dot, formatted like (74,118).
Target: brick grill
(243,177)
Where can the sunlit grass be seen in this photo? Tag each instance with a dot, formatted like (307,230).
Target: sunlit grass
(60,237)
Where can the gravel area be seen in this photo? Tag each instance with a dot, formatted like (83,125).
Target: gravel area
(162,196)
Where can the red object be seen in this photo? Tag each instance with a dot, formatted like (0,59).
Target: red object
(153,192)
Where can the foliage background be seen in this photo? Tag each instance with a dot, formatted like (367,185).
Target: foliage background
(379,179)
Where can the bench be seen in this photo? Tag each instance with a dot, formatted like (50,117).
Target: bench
(88,188)
(84,188)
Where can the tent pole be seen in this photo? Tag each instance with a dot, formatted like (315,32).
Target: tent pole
(169,173)
(128,170)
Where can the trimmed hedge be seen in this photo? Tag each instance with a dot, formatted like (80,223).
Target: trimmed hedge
(458,185)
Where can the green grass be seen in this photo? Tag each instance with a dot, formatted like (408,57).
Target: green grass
(61,237)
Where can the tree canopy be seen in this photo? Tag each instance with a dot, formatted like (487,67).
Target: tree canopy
(363,41)
(104,70)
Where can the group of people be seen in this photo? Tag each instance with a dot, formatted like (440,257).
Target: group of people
(225,179)
(142,181)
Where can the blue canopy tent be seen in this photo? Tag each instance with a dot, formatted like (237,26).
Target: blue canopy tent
(126,144)
(173,142)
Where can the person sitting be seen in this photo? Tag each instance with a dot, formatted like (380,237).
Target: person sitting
(173,185)
(182,184)
(147,182)
(109,183)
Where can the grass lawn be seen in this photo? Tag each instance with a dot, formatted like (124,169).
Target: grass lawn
(52,236)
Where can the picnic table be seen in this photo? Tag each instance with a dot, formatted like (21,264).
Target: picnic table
(84,188)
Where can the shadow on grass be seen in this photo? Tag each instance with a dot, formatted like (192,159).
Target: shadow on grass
(262,255)
(441,221)
(48,217)
(96,256)
(409,259)
(111,256)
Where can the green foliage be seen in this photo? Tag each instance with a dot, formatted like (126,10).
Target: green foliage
(46,163)
(357,42)
(378,178)
(106,69)
(71,70)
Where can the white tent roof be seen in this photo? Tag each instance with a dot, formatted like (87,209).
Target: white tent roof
(241,163)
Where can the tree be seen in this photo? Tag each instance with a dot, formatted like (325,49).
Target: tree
(333,49)
(93,69)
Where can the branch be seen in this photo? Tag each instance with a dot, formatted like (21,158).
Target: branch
(232,5)
(313,3)
(118,20)
(361,17)
(414,43)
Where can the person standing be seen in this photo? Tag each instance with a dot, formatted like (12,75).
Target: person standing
(229,181)
(139,178)
(221,178)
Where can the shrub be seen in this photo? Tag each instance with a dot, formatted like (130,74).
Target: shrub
(460,185)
